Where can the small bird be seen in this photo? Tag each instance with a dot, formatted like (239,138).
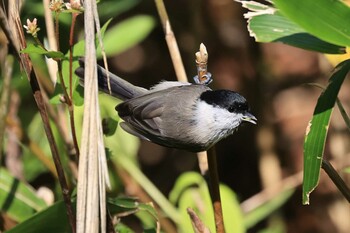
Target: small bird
(185,116)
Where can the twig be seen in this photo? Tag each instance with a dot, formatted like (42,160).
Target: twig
(67,97)
(197,223)
(27,66)
(50,33)
(215,191)
(5,95)
(201,62)
(71,107)
(337,180)
(171,42)
(204,77)
(13,159)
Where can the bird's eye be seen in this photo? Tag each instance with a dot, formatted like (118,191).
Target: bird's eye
(231,109)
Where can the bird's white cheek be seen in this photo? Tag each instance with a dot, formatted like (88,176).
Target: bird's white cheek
(216,122)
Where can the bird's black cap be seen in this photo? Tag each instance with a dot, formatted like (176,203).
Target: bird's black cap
(230,100)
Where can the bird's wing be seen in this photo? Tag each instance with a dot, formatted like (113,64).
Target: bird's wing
(144,114)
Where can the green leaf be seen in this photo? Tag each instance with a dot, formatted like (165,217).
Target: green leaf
(185,181)
(317,129)
(52,219)
(190,185)
(121,205)
(266,24)
(147,207)
(34,48)
(126,206)
(18,200)
(325,19)
(109,126)
(127,34)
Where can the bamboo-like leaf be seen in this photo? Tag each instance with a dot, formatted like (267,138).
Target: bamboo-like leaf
(317,129)
(267,24)
(18,200)
(53,219)
(325,19)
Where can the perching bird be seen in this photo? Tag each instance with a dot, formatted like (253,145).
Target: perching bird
(186,116)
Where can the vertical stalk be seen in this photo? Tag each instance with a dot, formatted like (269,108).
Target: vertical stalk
(215,191)
(171,42)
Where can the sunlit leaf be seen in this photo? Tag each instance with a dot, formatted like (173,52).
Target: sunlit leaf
(52,219)
(191,190)
(17,199)
(325,19)
(266,24)
(317,129)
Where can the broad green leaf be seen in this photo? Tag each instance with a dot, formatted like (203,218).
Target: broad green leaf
(52,219)
(266,24)
(18,200)
(233,216)
(191,190)
(317,129)
(127,34)
(187,180)
(34,48)
(325,19)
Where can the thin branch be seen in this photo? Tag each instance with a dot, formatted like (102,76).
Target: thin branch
(171,42)
(197,223)
(209,162)
(70,107)
(337,180)
(215,191)
(5,96)
(50,33)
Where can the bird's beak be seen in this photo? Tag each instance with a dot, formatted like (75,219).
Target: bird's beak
(248,117)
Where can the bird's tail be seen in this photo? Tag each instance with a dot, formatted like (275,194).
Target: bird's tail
(120,88)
